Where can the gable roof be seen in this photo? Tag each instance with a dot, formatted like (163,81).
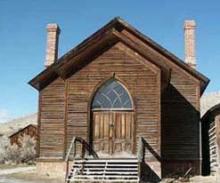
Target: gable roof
(107,35)
(22,129)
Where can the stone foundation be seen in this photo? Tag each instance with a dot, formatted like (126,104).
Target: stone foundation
(217,174)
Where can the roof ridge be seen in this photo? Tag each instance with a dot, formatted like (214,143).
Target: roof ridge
(120,24)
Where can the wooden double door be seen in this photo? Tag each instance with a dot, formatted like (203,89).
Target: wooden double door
(113,133)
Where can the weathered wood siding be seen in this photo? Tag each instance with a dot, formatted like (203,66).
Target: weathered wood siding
(217,123)
(142,81)
(180,123)
(52,115)
(213,149)
(68,103)
(180,108)
(211,141)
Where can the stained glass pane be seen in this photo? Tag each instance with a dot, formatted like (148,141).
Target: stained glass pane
(112,95)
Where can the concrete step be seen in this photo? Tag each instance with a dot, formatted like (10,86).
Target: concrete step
(104,170)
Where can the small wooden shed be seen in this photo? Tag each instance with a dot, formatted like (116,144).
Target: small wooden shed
(30,130)
(211,140)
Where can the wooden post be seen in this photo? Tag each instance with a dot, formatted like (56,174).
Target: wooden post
(140,155)
(74,150)
(67,170)
(83,149)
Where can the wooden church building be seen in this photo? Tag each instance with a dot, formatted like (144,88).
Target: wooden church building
(116,100)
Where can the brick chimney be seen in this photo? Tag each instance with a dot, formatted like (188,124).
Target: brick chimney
(53,32)
(190,52)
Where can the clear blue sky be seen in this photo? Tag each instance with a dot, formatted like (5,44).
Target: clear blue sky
(23,37)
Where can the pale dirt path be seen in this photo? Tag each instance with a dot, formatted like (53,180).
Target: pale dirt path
(29,175)
(25,175)
(16,170)
(195,179)
(12,180)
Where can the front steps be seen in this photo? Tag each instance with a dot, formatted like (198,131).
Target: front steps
(104,170)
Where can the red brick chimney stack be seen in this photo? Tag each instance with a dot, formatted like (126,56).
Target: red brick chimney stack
(53,32)
(190,50)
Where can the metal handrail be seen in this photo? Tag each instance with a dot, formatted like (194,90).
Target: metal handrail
(72,148)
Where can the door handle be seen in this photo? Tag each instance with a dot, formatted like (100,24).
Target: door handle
(111,125)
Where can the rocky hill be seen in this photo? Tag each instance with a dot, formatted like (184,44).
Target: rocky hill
(209,100)
(18,123)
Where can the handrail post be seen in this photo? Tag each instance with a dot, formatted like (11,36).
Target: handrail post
(67,170)
(67,156)
(72,148)
(82,149)
(140,155)
(140,152)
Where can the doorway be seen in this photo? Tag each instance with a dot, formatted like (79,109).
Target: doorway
(112,120)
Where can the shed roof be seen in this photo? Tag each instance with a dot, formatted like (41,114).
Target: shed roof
(211,111)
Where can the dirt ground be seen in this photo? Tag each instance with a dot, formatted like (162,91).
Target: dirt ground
(24,174)
(9,166)
(28,177)
(196,179)
(34,177)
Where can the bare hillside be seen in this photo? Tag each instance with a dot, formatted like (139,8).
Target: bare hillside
(209,100)
(18,123)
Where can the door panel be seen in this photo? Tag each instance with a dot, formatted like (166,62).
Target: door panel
(123,139)
(102,132)
(113,132)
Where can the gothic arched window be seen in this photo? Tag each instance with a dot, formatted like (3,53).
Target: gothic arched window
(112,95)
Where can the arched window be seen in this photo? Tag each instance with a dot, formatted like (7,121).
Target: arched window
(112,95)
